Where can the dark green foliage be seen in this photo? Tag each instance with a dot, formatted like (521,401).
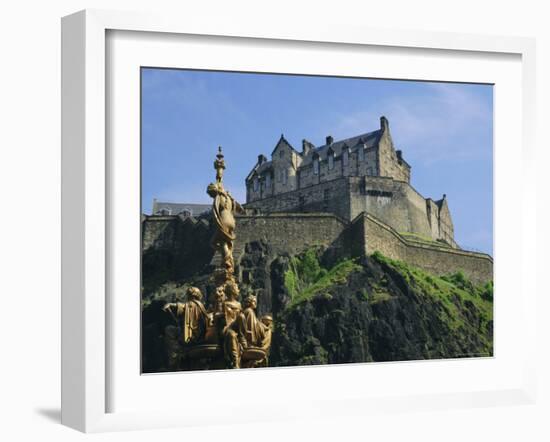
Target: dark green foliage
(487,291)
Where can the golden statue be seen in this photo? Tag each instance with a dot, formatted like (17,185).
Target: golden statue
(226,336)
(224,208)
(255,331)
(233,330)
(191,315)
(257,335)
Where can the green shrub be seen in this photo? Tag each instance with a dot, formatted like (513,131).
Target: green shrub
(306,278)
(487,291)
(460,280)
(304,270)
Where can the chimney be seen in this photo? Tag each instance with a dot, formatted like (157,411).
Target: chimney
(399,155)
(384,124)
(329,140)
(306,147)
(261,159)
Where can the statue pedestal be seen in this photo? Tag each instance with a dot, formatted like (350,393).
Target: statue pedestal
(254,357)
(203,351)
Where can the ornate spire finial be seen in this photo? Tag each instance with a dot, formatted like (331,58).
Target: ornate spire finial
(219,165)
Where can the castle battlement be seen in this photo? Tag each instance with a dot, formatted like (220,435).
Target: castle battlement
(178,240)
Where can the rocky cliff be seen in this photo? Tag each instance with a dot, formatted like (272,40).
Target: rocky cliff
(329,311)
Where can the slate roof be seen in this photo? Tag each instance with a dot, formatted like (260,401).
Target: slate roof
(369,138)
(259,169)
(177,208)
(285,141)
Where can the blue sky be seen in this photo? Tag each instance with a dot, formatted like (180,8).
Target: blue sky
(444,129)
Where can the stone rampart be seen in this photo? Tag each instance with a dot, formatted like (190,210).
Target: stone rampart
(292,233)
(175,246)
(439,260)
(329,196)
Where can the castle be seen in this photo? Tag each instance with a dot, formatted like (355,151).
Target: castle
(364,173)
(352,197)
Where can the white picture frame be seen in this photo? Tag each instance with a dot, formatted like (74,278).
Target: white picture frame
(86,315)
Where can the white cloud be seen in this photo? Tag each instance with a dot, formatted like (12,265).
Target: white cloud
(429,127)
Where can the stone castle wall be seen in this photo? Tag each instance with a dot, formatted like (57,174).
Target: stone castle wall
(435,259)
(394,202)
(293,233)
(330,196)
(174,246)
(390,165)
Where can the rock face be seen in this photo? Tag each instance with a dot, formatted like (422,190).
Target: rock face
(329,312)
(381,312)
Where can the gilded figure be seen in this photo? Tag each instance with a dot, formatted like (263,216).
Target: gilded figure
(224,207)
(233,329)
(191,316)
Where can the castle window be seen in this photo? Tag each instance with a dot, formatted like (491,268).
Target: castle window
(256,184)
(331,161)
(361,153)
(281,153)
(268,181)
(301,202)
(345,158)
(285,176)
(316,166)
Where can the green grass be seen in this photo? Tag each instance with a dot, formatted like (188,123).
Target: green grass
(306,278)
(449,290)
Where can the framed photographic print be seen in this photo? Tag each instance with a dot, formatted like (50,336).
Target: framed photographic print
(280,213)
(332,256)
